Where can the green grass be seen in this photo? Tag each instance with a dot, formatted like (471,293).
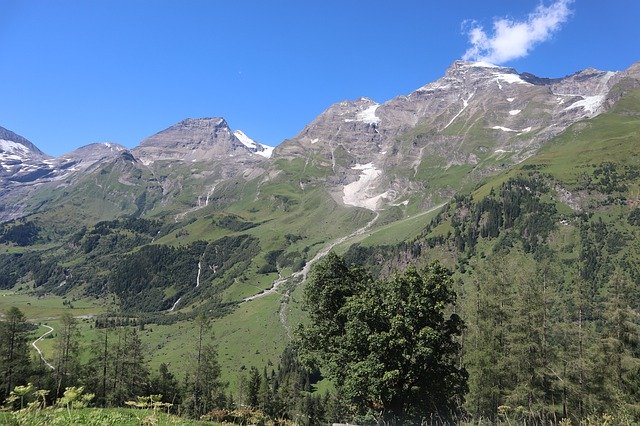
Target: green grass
(48,306)
(249,336)
(96,416)
(392,233)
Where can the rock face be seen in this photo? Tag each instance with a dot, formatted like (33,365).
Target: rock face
(478,115)
(476,120)
(202,139)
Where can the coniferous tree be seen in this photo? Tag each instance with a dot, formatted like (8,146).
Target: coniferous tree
(488,314)
(204,389)
(15,365)
(165,383)
(67,362)
(620,347)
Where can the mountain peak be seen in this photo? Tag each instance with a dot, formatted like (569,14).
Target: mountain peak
(193,139)
(460,66)
(13,144)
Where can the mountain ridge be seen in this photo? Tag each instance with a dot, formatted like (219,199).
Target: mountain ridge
(478,118)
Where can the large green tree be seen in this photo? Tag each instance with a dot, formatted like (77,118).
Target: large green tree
(391,346)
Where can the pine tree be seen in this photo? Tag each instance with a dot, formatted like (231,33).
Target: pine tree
(67,362)
(204,388)
(15,364)
(488,314)
(620,346)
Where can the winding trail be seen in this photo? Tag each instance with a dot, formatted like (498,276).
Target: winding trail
(38,349)
(307,267)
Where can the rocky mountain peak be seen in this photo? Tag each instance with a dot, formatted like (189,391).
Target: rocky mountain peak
(15,147)
(193,139)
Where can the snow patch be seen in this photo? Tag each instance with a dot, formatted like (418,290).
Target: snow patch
(358,193)
(258,148)
(588,103)
(515,111)
(314,140)
(12,147)
(510,78)
(511,99)
(504,129)
(367,116)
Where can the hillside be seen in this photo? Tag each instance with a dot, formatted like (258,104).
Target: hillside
(501,176)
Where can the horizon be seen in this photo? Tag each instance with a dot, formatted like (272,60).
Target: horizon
(112,72)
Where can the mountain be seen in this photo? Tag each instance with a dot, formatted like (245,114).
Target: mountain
(192,140)
(187,144)
(254,146)
(476,120)
(484,163)
(358,164)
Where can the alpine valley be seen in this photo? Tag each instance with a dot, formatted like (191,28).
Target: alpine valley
(499,175)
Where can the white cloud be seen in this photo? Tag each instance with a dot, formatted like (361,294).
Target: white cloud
(515,39)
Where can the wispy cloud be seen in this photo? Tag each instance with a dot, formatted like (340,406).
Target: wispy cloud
(515,39)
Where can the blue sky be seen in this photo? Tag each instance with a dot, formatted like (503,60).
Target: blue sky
(76,72)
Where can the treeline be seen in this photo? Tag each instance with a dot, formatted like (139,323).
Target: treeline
(551,301)
(116,371)
(542,346)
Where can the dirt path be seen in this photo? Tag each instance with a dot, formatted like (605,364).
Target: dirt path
(307,267)
(38,349)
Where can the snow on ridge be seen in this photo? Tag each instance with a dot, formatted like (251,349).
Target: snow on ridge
(358,193)
(258,148)
(588,103)
(510,78)
(483,64)
(245,140)
(12,147)
(113,147)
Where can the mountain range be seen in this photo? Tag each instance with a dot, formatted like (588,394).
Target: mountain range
(419,148)
(200,217)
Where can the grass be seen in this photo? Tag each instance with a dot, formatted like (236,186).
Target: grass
(37,308)
(392,233)
(96,416)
